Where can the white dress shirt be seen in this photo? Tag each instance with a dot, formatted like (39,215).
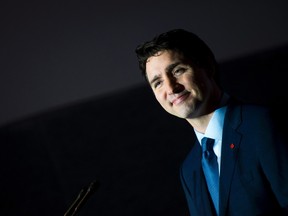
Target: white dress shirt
(215,128)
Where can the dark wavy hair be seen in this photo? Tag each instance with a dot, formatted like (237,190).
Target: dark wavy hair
(186,43)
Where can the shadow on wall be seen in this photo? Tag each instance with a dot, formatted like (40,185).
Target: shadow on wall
(134,150)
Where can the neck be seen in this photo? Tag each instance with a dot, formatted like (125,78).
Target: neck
(201,122)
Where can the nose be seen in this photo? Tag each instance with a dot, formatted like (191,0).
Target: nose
(173,86)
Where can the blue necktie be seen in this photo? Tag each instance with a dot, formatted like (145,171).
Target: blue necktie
(210,168)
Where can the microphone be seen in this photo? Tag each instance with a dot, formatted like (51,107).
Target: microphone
(81,199)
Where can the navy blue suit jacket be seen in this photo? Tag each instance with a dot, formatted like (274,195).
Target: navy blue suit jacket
(254,167)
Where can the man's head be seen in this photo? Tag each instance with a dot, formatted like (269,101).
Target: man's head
(189,45)
(180,69)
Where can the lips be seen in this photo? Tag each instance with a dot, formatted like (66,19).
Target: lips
(180,98)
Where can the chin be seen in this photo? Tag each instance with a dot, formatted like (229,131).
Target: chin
(181,115)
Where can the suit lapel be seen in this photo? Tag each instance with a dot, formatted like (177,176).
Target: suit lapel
(230,145)
(192,172)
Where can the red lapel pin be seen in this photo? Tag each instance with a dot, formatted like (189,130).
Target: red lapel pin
(232,146)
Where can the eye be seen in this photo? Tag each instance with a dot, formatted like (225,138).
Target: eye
(179,71)
(156,84)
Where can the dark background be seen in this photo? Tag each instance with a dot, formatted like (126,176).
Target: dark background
(55,52)
(74,107)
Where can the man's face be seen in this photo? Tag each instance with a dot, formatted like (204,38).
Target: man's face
(181,90)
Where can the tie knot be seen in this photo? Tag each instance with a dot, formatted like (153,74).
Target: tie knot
(207,144)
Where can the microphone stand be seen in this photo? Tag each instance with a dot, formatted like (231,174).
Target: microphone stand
(81,199)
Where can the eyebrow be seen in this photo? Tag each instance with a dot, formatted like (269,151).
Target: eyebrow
(168,69)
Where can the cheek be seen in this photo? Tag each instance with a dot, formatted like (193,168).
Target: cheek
(160,97)
(188,81)
(192,84)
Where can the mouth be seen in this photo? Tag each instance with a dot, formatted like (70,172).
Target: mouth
(180,98)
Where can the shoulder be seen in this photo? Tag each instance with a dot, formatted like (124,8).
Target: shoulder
(257,114)
(235,105)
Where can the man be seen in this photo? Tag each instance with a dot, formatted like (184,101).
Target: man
(246,172)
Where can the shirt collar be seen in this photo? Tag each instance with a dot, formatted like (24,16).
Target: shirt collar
(215,126)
